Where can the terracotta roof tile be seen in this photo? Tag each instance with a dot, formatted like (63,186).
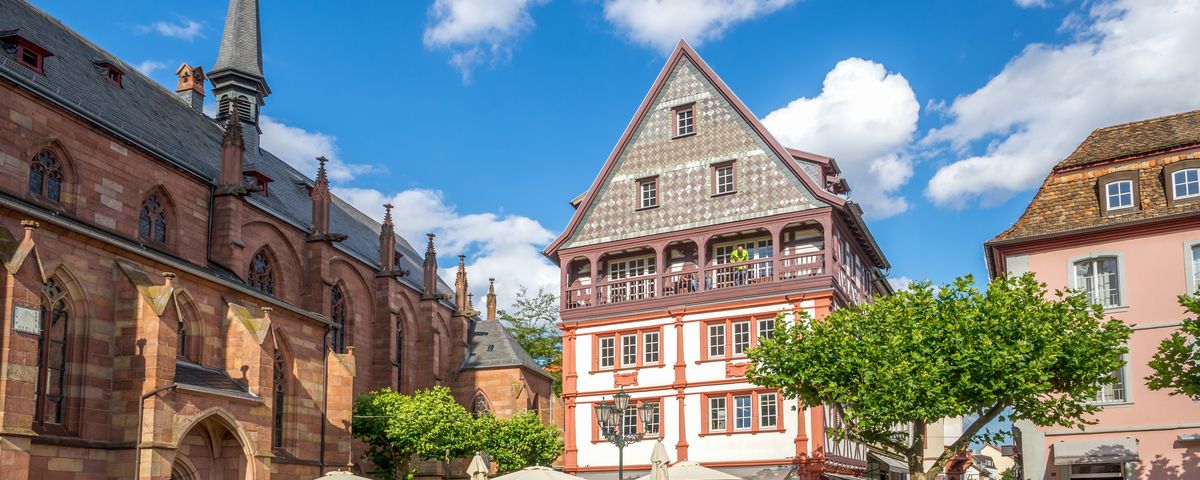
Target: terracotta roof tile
(1136,138)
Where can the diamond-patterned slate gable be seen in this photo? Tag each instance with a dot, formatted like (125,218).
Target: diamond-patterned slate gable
(684,168)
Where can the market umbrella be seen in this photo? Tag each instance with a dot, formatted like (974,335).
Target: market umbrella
(659,461)
(478,469)
(537,473)
(693,471)
(341,475)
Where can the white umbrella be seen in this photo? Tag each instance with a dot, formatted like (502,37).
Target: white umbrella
(659,461)
(342,475)
(693,471)
(478,469)
(537,473)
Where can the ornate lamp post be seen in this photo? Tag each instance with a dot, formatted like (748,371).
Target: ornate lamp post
(611,418)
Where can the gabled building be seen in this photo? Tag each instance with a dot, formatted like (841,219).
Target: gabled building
(655,301)
(1120,220)
(178,302)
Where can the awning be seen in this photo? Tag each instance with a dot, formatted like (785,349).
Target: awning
(893,464)
(1108,450)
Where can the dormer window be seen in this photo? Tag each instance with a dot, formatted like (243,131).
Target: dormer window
(1186,183)
(1119,194)
(259,181)
(685,120)
(28,53)
(110,72)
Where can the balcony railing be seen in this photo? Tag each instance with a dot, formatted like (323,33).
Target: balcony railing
(693,280)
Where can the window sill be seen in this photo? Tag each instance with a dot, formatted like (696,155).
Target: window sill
(625,369)
(647,437)
(741,432)
(1124,404)
(1116,309)
(684,136)
(725,194)
(722,359)
(652,207)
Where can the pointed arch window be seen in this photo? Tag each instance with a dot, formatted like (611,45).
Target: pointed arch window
(337,313)
(46,176)
(399,355)
(50,396)
(181,350)
(278,398)
(152,220)
(261,276)
(480,406)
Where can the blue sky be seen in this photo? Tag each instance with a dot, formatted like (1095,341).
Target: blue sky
(480,119)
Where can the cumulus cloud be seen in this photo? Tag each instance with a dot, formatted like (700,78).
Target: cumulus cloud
(183,29)
(1032,3)
(150,66)
(865,118)
(661,23)
(900,283)
(300,149)
(477,31)
(501,246)
(1128,60)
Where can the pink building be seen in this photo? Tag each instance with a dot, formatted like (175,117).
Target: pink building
(1120,219)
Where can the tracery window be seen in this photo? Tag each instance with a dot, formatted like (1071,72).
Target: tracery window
(50,396)
(152,220)
(480,406)
(261,276)
(46,176)
(337,313)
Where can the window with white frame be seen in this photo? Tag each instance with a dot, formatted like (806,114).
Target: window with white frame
(1119,194)
(631,268)
(766,327)
(716,340)
(743,412)
(716,413)
(1099,278)
(741,337)
(628,350)
(1113,392)
(629,423)
(652,427)
(685,121)
(608,351)
(1186,183)
(768,410)
(650,348)
(1098,471)
(723,181)
(1194,250)
(648,196)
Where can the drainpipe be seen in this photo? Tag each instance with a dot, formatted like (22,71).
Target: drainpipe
(137,441)
(212,192)
(324,393)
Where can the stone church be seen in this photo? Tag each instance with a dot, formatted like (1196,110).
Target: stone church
(180,303)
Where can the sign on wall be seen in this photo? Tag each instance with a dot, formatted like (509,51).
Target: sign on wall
(27,320)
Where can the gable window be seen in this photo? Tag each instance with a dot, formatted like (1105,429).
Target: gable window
(50,396)
(1119,194)
(152,220)
(261,277)
(1099,278)
(685,120)
(648,192)
(723,179)
(46,176)
(337,313)
(608,351)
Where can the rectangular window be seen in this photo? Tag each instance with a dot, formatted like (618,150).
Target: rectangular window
(1112,392)
(742,412)
(1098,277)
(608,351)
(1120,194)
(768,410)
(650,348)
(766,327)
(1186,182)
(1098,471)
(651,427)
(649,193)
(685,122)
(628,350)
(741,337)
(723,180)
(629,422)
(716,414)
(1195,268)
(716,340)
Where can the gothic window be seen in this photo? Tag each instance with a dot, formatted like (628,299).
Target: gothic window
(399,356)
(337,313)
(279,393)
(261,276)
(50,396)
(480,406)
(46,176)
(152,220)
(181,339)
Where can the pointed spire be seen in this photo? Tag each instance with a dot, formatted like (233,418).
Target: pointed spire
(491,299)
(387,242)
(430,268)
(460,286)
(241,42)
(321,199)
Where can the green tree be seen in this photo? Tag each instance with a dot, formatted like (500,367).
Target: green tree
(399,428)
(1008,474)
(533,323)
(518,442)
(1176,365)
(923,354)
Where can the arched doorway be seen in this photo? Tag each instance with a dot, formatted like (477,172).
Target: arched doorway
(212,449)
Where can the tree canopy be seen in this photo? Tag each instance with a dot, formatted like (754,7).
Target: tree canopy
(924,353)
(1176,365)
(533,324)
(519,442)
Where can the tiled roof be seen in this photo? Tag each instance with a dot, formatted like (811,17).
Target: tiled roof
(146,114)
(209,378)
(241,45)
(1136,138)
(492,346)
(1069,200)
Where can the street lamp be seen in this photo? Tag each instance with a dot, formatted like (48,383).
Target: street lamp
(611,418)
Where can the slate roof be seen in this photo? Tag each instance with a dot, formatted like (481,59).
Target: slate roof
(210,378)
(492,346)
(144,113)
(1136,138)
(241,42)
(1069,201)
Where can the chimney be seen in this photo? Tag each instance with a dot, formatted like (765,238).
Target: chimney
(320,200)
(460,286)
(430,268)
(387,242)
(491,299)
(191,87)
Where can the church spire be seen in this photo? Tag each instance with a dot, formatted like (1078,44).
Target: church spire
(491,299)
(430,268)
(460,286)
(321,199)
(387,241)
(238,72)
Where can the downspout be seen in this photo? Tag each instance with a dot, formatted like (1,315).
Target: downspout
(212,192)
(324,393)
(137,441)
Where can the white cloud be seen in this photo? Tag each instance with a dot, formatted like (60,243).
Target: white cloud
(864,118)
(1129,60)
(661,23)
(900,283)
(477,31)
(504,247)
(150,66)
(184,29)
(300,149)
(1032,3)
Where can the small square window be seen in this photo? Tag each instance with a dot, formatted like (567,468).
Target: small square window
(648,193)
(685,121)
(1119,194)
(723,179)
(30,55)
(114,76)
